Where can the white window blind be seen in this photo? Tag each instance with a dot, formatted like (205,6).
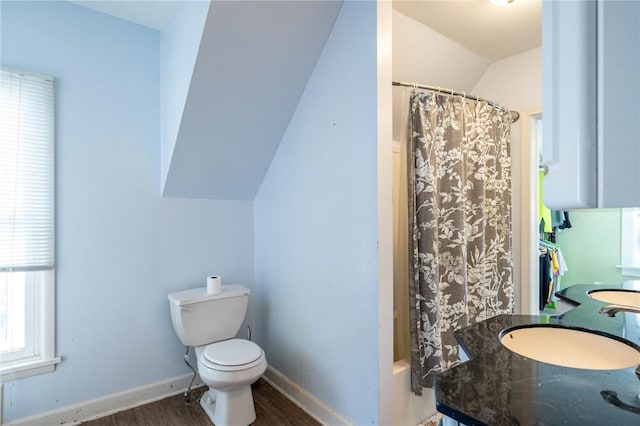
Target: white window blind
(26,172)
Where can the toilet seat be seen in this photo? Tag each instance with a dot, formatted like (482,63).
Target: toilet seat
(232,355)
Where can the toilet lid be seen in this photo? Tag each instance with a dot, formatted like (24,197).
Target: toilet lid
(232,352)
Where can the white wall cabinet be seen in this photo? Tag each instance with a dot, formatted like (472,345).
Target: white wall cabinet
(591,103)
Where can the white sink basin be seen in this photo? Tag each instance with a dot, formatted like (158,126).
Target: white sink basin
(619,297)
(570,347)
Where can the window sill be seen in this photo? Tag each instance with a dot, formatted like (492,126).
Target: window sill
(27,368)
(630,271)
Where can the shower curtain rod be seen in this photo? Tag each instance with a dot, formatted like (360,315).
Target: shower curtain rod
(515,115)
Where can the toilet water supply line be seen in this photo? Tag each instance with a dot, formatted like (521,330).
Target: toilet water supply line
(188,397)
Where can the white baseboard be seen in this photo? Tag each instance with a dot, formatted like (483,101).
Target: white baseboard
(303,399)
(110,404)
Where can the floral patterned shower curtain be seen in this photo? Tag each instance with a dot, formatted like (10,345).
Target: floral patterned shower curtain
(460,262)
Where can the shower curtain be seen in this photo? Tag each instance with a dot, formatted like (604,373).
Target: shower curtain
(459,186)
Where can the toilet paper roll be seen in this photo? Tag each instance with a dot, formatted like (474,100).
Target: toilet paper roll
(214,284)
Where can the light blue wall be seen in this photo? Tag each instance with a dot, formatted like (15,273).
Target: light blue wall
(315,229)
(120,247)
(179,43)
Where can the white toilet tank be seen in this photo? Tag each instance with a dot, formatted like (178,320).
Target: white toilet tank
(200,318)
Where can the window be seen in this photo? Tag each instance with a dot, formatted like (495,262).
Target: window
(630,242)
(26,225)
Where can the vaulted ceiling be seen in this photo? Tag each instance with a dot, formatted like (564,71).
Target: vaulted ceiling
(232,73)
(489,30)
(252,66)
(492,31)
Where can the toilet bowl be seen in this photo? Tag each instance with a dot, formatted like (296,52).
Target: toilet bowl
(229,368)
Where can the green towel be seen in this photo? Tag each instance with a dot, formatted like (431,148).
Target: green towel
(543,211)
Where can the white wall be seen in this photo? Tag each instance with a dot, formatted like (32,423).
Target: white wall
(120,247)
(315,229)
(515,83)
(423,56)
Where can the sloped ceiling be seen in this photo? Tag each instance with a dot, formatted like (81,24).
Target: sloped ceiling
(150,13)
(252,66)
(492,31)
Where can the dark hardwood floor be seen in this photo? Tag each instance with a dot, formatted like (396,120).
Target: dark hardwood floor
(272,408)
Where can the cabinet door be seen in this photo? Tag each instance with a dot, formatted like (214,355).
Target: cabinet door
(618,103)
(569,103)
(591,103)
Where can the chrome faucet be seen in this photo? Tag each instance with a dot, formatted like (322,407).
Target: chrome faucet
(612,309)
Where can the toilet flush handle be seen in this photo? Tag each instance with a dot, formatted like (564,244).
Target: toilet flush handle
(249,333)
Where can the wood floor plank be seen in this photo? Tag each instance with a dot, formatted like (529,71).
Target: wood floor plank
(272,408)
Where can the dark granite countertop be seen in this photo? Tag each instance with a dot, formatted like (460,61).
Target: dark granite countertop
(499,387)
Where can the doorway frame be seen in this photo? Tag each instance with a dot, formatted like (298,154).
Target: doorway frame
(529,268)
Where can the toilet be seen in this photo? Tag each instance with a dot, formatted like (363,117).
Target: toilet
(209,323)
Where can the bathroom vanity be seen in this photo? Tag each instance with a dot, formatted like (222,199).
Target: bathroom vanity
(500,387)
